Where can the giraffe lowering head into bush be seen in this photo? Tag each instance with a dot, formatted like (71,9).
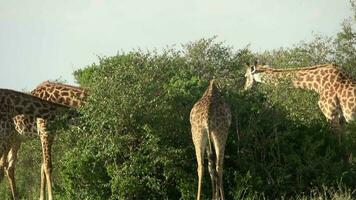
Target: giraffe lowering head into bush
(337,92)
(12,104)
(28,125)
(210,119)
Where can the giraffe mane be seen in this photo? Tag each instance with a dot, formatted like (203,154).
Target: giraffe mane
(270,69)
(31,97)
(62,84)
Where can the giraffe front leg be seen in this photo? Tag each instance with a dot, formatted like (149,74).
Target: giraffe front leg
(10,170)
(46,168)
(43,183)
(332,113)
(4,151)
(46,141)
(2,167)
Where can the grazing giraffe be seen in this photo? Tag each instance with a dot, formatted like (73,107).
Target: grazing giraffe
(337,92)
(63,94)
(12,104)
(210,119)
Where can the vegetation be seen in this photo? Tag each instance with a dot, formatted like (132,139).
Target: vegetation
(133,140)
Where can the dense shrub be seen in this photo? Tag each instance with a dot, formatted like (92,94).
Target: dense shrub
(135,139)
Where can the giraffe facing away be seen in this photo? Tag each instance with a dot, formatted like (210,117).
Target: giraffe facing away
(59,93)
(12,104)
(337,92)
(210,119)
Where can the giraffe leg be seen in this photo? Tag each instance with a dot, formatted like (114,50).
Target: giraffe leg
(200,176)
(199,140)
(333,113)
(10,170)
(4,151)
(3,154)
(219,145)
(219,170)
(211,167)
(43,183)
(46,169)
(2,167)
(335,123)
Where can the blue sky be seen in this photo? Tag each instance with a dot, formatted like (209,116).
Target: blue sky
(46,40)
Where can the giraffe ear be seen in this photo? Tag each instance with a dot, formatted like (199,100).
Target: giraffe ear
(253,69)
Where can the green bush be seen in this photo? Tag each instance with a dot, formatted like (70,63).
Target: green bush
(135,138)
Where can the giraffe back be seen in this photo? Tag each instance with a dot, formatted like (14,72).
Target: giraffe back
(61,93)
(17,103)
(211,111)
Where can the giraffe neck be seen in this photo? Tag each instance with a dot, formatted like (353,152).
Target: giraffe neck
(61,93)
(212,90)
(310,78)
(18,103)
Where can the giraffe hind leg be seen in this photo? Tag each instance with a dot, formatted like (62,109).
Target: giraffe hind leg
(200,141)
(211,167)
(219,141)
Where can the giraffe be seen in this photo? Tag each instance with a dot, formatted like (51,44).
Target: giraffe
(63,94)
(337,92)
(210,119)
(12,104)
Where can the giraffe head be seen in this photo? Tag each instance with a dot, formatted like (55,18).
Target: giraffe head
(254,74)
(213,83)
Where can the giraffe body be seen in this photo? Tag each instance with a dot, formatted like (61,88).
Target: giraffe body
(62,94)
(31,126)
(210,120)
(54,92)
(13,103)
